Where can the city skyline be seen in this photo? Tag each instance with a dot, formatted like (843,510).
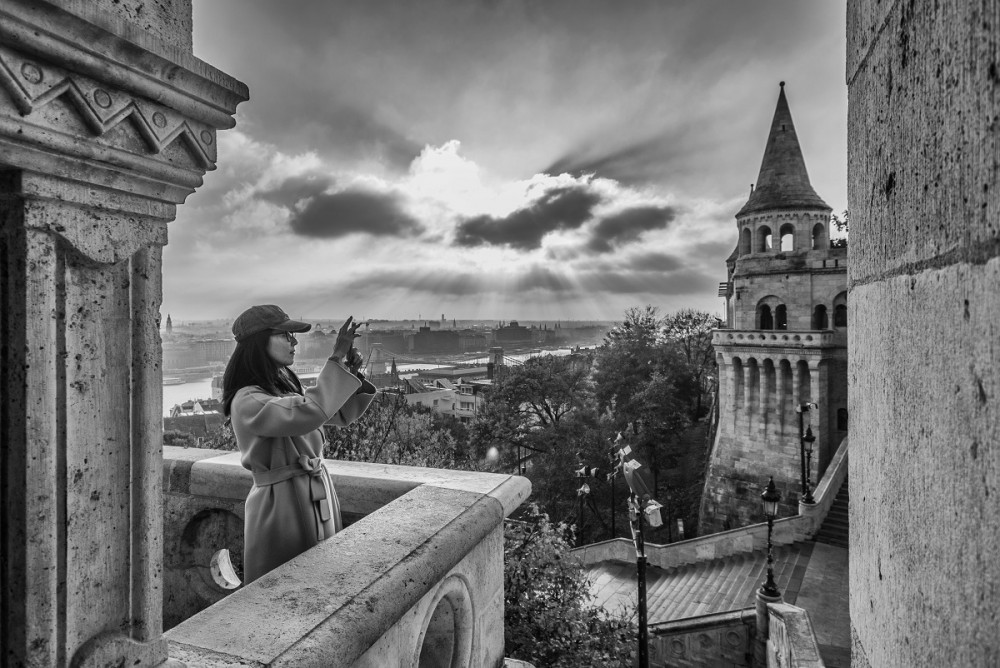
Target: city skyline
(496,160)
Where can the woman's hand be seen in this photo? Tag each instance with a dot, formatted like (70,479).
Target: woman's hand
(345,340)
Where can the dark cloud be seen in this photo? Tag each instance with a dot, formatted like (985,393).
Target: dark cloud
(297,188)
(446,283)
(351,211)
(662,262)
(628,225)
(558,209)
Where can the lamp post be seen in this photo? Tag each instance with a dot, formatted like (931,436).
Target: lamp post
(807,443)
(771,496)
(640,505)
(802,409)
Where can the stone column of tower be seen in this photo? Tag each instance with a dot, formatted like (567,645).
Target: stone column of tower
(783,345)
(107,123)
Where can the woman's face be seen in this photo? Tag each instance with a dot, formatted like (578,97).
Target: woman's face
(281,348)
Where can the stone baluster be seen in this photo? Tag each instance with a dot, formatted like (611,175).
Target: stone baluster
(102,134)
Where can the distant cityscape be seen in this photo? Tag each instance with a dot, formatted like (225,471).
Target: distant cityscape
(439,364)
(194,349)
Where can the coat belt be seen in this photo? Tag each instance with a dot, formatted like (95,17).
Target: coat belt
(310,466)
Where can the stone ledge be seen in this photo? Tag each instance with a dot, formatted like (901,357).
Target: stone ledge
(349,591)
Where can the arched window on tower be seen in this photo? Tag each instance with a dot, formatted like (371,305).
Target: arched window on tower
(745,241)
(820,319)
(764,318)
(780,317)
(820,240)
(840,310)
(763,239)
(787,235)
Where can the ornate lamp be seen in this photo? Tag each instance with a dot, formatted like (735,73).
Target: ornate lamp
(770,497)
(807,443)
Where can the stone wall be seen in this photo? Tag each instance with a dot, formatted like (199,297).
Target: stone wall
(924,197)
(714,641)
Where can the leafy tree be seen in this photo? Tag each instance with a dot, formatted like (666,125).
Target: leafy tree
(548,619)
(177,437)
(528,404)
(691,332)
(393,432)
(842,224)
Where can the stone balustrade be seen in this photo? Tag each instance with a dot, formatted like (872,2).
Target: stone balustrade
(825,338)
(790,638)
(735,541)
(415,579)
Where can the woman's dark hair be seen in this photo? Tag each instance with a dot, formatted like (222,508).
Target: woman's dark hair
(250,364)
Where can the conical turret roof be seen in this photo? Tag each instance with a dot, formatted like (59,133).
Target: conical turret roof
(783,182)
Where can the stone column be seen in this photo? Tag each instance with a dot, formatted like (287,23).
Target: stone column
(779,379)
(819,373)
(747,386)
(104,129)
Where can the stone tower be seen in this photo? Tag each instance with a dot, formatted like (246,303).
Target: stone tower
(785,340)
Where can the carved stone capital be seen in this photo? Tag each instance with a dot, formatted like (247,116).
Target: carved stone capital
(85,104)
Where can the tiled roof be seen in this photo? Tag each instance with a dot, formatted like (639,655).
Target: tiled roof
(783,182)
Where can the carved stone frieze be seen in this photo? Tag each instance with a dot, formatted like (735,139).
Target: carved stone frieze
(32,84)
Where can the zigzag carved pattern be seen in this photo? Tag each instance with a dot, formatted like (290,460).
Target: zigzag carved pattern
(32,85)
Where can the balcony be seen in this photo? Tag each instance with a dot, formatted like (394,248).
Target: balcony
(416,578)
(757,338)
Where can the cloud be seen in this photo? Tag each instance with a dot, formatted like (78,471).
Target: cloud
(351,211)
(557,209)
(293,190)
(628,225)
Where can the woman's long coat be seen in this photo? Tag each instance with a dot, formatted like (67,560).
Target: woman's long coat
(292,505)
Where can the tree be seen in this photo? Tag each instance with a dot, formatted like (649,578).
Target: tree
(548,619)
(842,224)
(177,437)
(528,403)
(691,332)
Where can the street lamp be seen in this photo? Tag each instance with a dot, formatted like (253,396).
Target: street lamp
(640,504)
(807,443)
(802,409)
(771,497)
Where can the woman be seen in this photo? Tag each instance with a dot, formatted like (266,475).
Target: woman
(292,505)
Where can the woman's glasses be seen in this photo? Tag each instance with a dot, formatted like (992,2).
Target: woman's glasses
(288,336)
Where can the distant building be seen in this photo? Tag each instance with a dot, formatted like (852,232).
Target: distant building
(512,334)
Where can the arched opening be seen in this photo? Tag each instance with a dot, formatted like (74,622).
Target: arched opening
(780,317)
(446,641)
(764,318)
(840,310)
(820,239)
(763,239)
(785,383)
(841,419)
(787,235)
(820,320)
(745,241)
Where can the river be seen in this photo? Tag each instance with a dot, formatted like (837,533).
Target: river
(202,388)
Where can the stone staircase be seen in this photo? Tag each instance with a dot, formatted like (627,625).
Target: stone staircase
(706,587)
(835,529)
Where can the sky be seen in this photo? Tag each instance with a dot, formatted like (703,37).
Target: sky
(495,159)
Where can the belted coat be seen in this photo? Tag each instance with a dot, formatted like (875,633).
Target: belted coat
(292,505)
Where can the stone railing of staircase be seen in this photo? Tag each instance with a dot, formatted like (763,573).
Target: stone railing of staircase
(720,639)
(416,579)
(735,541)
